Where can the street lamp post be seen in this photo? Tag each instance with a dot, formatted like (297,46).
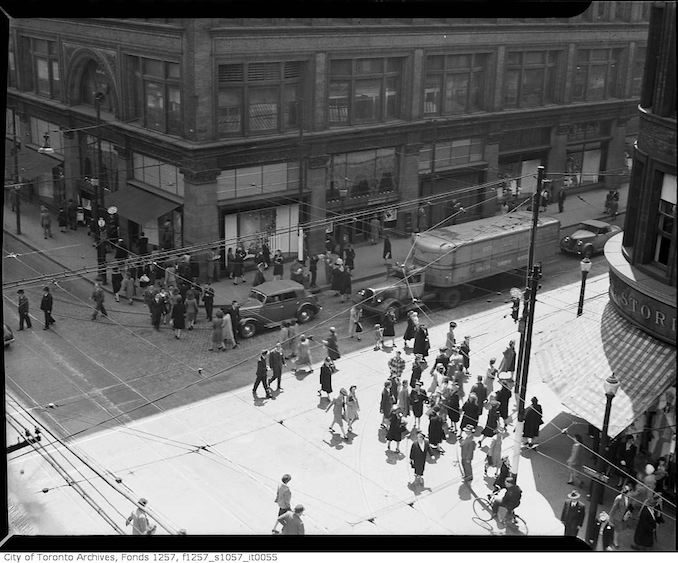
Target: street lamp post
(17,185)
(96,184)
(585,266)
(611,386)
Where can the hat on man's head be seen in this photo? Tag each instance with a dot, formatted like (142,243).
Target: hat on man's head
(468,428)
(574,495)
(20,291)
(510,480)
(142,501)
(453,324)
(299,509)
(46,288)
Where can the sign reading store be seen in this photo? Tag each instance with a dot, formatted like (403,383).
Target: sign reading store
(650,315)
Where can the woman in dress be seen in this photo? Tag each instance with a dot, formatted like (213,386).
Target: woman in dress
(452,404)
(471,412)
(533,420)
(332,345)
(421,342)
(389,327)
(412,324)
(465,351)
(508,362)
(395,430)
(450,340)
(435,428)
(490,427)
(386,403)
(354,316)
(404,399)
(493,458)
(503,396)
(352,408)
(191,308)
(178,312)
(128,287)
(418,453)
(304,355)
(227,331)
(217,331)
(338,406)
(418,398)
(326,371)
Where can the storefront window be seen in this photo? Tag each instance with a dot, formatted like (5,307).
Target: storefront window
(108,176)
(530,78)
(257,180)
(461,76)
(363,90)
(595,76)
(450,154)
(257,97)
(363,173)
(583,164)
(665,243)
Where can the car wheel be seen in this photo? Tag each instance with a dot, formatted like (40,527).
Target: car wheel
(248,330)
(305,314)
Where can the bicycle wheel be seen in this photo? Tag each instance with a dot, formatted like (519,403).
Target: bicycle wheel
(517,525)
(482,509)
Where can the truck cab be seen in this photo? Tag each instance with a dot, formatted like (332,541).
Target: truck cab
(398,294)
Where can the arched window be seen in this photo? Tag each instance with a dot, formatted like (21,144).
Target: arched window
(94,79)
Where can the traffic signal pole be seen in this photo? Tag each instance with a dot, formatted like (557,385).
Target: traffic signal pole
(526,335)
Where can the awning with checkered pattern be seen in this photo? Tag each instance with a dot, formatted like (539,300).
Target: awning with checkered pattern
(576,360)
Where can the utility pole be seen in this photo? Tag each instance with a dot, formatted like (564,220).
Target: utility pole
(96,183)
(528,323)
(530,263)
(17,185)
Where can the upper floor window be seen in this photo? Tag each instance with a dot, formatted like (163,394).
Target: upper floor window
(259,97)
(154,94)
(530,78)
(364,90)
(450,154)
(257,180)
(454,84)
(363,173)
(665,243)
(11,67)
(41,67)
(596,75)
(158,174)
(637,71)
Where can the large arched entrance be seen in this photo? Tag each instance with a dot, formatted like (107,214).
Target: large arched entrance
(95,79)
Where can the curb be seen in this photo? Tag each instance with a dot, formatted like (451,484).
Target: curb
(318,289)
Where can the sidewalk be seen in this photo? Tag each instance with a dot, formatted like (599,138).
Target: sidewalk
(74,250)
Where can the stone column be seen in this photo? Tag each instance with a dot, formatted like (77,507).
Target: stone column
(570,67)
(490,205)
(317,183)
(498,98)
(319,95)
(616,163)
(415,108)
(201,214)
(72,174)
(408,175)
(557,159)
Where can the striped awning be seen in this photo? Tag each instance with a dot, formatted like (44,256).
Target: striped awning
(575,362)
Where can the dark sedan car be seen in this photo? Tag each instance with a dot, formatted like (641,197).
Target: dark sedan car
(9,335)
(589,238)
(271,303)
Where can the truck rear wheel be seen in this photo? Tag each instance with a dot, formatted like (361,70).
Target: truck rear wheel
(450,298)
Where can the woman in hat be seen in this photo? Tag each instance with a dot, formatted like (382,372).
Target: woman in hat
(139,520)
(404,399)
(304,354)
(191,309)
(490,377)
(217,331)
(533,420)
(326,371)
(471,412)
(465,351)
(354,315)
(338,406)
(490,428)
(503,396)
(395,429)
(436,434)
(332,345)
(421,341)
(386,403)
(493,458)
(603,532)
(388,324)
(451,341)
(128,287)
(418,398)
(418,452)
(178,321)
(508,362)
(452,406)
(412,324)
(352,407)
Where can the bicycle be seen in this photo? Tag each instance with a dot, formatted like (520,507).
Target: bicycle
(482,508)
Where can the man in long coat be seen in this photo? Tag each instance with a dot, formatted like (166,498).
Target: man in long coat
(467,446)
(332,345)
(276,361)
(46,307)
(646,529)
(508,362)
(421,342)
(262,369)
(573,514)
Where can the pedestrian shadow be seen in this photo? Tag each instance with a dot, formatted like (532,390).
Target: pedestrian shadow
(336,442)
(323,402)
(301,374)
(393,457)
(259,401)
(418,488)
(465,491)
(381,435)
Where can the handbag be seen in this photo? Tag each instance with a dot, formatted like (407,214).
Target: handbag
(627,515)
(358,327)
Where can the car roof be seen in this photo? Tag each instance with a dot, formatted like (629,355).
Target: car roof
(277,286)
(595,223)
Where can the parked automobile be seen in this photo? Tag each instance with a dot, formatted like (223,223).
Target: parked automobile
(9,335)
(271,303)
(589,238)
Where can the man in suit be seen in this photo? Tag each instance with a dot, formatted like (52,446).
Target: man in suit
(46,307)
(573,514)
(262,369)
(24,318)
(276,361)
